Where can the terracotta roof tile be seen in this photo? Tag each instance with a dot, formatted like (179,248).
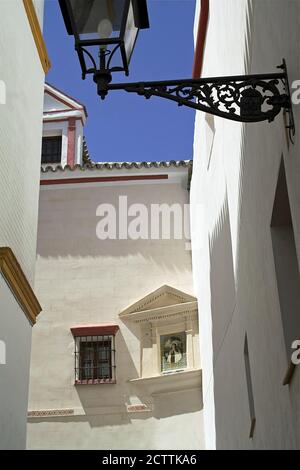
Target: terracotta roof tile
(118,166)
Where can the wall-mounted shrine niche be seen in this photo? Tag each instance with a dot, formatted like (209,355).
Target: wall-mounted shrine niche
(169,340)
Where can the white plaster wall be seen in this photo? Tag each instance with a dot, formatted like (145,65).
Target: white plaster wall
(15,332)
(82,280)
(122,431)
(233,262)
(20,134)
(20,154)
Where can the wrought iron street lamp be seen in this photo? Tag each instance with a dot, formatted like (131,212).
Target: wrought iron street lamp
(107,29)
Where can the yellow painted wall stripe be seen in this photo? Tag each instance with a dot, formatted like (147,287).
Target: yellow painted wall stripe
(37,34)
(16,279)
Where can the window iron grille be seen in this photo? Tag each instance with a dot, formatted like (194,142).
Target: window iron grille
(95,359)
(51,149)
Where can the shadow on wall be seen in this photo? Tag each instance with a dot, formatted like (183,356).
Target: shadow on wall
(114,397)
(162,405)
(223,301)
(176,403)
(68,223)
(106,404)
(99,278)
(257,312)
(222,281)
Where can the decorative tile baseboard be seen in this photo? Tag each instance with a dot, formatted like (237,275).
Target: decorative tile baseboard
(138,408)
(49,413)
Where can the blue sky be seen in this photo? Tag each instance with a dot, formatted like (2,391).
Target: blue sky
(126,127)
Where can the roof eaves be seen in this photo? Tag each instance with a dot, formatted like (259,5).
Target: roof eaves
(118,166)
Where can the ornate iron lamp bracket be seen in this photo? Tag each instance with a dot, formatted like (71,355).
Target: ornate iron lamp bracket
(246,98)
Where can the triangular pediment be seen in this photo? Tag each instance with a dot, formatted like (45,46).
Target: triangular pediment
(57,101)
(52,104)
(165,296)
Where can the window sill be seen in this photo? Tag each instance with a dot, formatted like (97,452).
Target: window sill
(171,382)
(95,382)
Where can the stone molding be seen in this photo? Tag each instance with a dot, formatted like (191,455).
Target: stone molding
(142,307)
(18,284)
(37,34)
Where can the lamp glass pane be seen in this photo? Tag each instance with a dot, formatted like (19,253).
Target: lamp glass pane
(130,35)
(98,16)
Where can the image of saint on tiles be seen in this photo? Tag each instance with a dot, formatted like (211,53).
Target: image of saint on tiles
(173,352)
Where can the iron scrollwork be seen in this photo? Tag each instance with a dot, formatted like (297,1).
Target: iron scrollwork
(251,98)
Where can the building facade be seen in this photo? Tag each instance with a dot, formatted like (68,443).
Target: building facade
(245,221)
(64,120)
(115,356)
(23,60)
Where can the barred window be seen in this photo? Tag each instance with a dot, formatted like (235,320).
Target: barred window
(95,359)
(51,149)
